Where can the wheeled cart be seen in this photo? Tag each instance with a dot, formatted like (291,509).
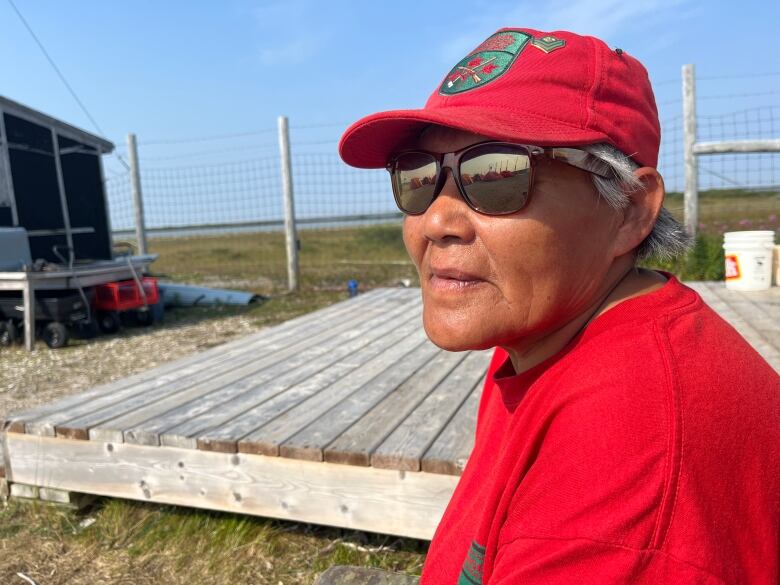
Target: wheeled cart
(57,314)
(136,296)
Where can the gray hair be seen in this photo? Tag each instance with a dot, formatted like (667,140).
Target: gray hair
(667,238)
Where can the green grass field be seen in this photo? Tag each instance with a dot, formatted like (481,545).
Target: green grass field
(375,255)
(724,210)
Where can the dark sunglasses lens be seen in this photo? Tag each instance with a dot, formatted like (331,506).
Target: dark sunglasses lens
(414,181)
(496,178)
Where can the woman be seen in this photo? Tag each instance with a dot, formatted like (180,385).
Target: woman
(625,429)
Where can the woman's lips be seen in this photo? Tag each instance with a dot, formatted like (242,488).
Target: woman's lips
(453,280)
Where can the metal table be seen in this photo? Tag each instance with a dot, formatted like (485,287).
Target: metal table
(97,272)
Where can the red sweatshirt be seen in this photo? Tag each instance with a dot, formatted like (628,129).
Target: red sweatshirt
(645,452)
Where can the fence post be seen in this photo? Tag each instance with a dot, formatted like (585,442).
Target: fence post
(138,201)
(691,196)
(291,238)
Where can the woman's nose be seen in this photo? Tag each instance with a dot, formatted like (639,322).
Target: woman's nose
(449,215)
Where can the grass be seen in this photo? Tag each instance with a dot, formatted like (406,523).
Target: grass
(118,541)
(723,210)
(705,261)
(375,256)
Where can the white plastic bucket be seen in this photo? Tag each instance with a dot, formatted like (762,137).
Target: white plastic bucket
(749,259)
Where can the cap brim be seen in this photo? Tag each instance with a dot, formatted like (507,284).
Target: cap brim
(369,142)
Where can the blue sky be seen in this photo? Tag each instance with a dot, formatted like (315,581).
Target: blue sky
(173,70)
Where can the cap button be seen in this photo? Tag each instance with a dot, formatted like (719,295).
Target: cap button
(619,51)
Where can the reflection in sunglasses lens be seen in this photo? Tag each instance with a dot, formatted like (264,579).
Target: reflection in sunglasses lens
(496,178)
(415,181)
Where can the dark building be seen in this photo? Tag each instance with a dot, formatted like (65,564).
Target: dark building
(51,184)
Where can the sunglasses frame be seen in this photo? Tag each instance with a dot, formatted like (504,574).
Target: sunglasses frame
(451,160)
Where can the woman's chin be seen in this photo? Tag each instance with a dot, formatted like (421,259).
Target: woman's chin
(456,339)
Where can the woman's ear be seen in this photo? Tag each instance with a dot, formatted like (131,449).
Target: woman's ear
(644,205)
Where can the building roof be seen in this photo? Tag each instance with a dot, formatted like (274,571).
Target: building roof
(63,128)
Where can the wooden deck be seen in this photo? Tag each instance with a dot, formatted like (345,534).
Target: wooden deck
(347,416)
(756,315)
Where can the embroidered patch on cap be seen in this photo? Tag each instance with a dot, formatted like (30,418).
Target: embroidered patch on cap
(548,44)
(485,63)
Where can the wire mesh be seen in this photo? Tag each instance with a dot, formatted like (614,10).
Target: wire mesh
(214,207)
(344,216)
(739,191)
(120,204)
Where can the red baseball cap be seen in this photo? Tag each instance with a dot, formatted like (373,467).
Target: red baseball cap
(522,85)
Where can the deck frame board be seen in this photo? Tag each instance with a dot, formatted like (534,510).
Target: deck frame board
(375,500)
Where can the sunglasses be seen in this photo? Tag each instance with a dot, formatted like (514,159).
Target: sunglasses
(494,178)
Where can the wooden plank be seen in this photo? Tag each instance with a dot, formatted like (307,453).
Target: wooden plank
(111,422)
(21,490)
(355,444)
(148,432)
(15,422)
(266,440)
(217,424)
(199,357)
(76,422)
(3,455)
(274,380)
(310,442)
(762,314)
(356,498)
(451,449)
(715,295)
(225,437)
(72,500)
(405,447)
(757,314)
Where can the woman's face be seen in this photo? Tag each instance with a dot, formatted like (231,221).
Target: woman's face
(514,279)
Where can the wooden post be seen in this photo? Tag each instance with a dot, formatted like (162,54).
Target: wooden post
(138,202)
(291,237)
(691,197)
